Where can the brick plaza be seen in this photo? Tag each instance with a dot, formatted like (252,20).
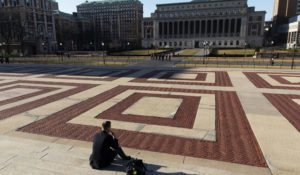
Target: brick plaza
(245,120)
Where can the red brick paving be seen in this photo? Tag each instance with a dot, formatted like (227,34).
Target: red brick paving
(43,90)
(222,78)
(31,105)
(282,80)
(235,143)
(287,107)
(261,83)
(200,76)
(184,117)
(79,72)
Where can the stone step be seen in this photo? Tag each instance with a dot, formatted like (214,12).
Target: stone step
(17,169)
(41,165)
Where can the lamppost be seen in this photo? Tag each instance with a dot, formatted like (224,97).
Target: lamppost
(1,50)
(61,44)
(128,44)
(61,52)
(103,50)
(91,45)
(293,62)
(205,43)
(208,51)
(272,49)
(245,46)
(43,45)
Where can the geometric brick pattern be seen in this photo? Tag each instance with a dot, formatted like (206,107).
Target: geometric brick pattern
(235,141)
(208,124)
(202,78)
(287,106)
(8,112)
(93,74)
(273,80)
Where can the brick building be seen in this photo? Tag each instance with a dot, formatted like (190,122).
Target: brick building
(117,23)
(27,26)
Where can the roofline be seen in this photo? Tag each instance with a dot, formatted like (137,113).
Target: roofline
(191,2)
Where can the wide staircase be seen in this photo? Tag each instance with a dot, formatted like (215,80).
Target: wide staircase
(22,156)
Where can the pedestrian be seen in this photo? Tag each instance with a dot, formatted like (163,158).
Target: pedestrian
(7,60)
(272,61)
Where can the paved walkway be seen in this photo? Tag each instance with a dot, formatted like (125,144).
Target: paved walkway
(180,121)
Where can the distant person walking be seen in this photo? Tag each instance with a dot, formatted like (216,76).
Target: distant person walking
(272,61)
(7,59)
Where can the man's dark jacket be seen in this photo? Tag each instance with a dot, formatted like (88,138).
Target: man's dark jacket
(103,155)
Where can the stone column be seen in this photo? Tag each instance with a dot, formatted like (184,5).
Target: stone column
(205,33)
(229,27)
(224,25)
(235,26)
(218,24)
(195,21)
(200,27)
(168,34)
(189,29)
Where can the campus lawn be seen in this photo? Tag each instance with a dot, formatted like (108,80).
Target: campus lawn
(140,52)
(270,50)
(189,52)
(234,52)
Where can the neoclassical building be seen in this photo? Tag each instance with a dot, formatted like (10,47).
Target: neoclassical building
(223,23)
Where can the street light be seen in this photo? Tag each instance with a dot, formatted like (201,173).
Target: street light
(103,52)
(61,53)
(245,46)
(128,59)
(272,49)
(205,43)
(293,62)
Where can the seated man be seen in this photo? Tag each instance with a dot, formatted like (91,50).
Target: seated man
(105,148)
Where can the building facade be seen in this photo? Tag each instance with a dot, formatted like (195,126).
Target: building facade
(73,32)
(291,33)
(147,32)
(27,26)
(222,23)
(116,23)
(284,9)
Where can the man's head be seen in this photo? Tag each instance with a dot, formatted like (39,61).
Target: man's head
(106,126)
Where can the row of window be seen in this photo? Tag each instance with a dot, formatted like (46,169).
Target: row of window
(198,13)
(213,43)
(189,6)
(200,26)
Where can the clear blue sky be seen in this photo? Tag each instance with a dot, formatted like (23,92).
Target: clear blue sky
(149,5)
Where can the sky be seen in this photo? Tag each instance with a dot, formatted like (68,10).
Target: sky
(69,6)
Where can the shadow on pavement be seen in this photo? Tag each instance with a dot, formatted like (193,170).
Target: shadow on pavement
(120,166)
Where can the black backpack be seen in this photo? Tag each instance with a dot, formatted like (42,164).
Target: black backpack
(136,167)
